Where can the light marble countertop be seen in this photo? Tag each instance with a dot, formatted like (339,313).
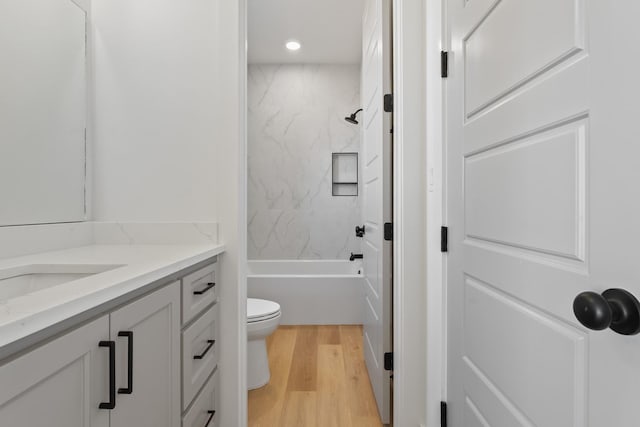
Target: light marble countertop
(28,315)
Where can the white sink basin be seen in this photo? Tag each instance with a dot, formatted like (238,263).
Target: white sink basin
(19,281)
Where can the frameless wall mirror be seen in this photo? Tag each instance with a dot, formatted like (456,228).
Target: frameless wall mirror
(42,111)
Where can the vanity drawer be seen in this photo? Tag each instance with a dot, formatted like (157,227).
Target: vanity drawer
(199,354)
(201,411)
(198,292)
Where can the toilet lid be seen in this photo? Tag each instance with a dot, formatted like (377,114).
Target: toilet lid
(260,309)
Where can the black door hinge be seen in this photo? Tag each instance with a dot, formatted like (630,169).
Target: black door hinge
(388,361)
(444,239)
(388,231)
(388,103)
(443,414)
(444,64)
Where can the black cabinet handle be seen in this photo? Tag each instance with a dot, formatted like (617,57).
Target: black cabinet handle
(211,414)
(111,345)
(354,257)
(210,286)
(129,389)
(200,356)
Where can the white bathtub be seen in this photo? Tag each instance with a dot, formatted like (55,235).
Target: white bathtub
(310,292)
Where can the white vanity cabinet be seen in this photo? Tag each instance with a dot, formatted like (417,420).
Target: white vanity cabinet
(198,292)
(66,382)
(201,414)
(147,336)
(199,347)
(60,383)
(139,365)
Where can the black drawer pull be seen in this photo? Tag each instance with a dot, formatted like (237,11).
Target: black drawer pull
(129,389)
(210,344)
(210,286)
(211,414)
(111,345)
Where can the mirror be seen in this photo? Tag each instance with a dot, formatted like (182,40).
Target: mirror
(42,111)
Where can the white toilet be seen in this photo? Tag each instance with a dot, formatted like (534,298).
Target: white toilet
(263,318)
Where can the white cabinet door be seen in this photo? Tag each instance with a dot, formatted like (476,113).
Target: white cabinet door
(542,165)
(154,324)
(377,206)
(198,292)
(60,384)
(203,410)
(199,354)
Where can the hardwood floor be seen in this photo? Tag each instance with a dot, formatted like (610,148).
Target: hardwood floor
(318,379)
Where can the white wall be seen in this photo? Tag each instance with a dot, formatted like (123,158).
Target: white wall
(169,139)
(155,110)
(295,121)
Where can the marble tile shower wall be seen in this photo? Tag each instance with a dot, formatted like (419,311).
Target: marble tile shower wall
(295,121)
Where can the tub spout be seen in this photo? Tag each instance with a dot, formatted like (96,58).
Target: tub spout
(354,257)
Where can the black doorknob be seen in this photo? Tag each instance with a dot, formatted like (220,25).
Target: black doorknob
(615,308)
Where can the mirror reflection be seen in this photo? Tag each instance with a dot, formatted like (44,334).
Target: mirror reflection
(42,111)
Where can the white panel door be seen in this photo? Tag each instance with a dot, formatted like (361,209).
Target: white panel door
(60,384)
(377,206)
(154,322)
(541,142)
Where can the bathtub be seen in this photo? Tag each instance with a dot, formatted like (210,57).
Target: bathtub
(310,292)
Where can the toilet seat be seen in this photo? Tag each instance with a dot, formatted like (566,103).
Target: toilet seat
(259,310)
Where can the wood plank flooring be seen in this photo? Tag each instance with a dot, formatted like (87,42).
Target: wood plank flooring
(318,379)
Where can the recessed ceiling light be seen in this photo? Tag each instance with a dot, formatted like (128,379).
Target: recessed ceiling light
(293,45)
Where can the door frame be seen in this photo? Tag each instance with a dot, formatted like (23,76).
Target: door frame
(410,285)
(231,198)
(436,41)
(409,216)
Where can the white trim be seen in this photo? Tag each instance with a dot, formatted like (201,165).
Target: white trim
(436,268)
(89,162)
(409,244)
(399,232)
(243,405)
(232,211)
(410,207)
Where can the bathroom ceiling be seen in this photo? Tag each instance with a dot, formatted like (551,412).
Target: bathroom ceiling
(330,31)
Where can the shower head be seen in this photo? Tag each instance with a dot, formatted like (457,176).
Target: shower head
(352,118)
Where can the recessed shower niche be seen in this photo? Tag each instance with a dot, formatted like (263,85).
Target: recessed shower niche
(344,174)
